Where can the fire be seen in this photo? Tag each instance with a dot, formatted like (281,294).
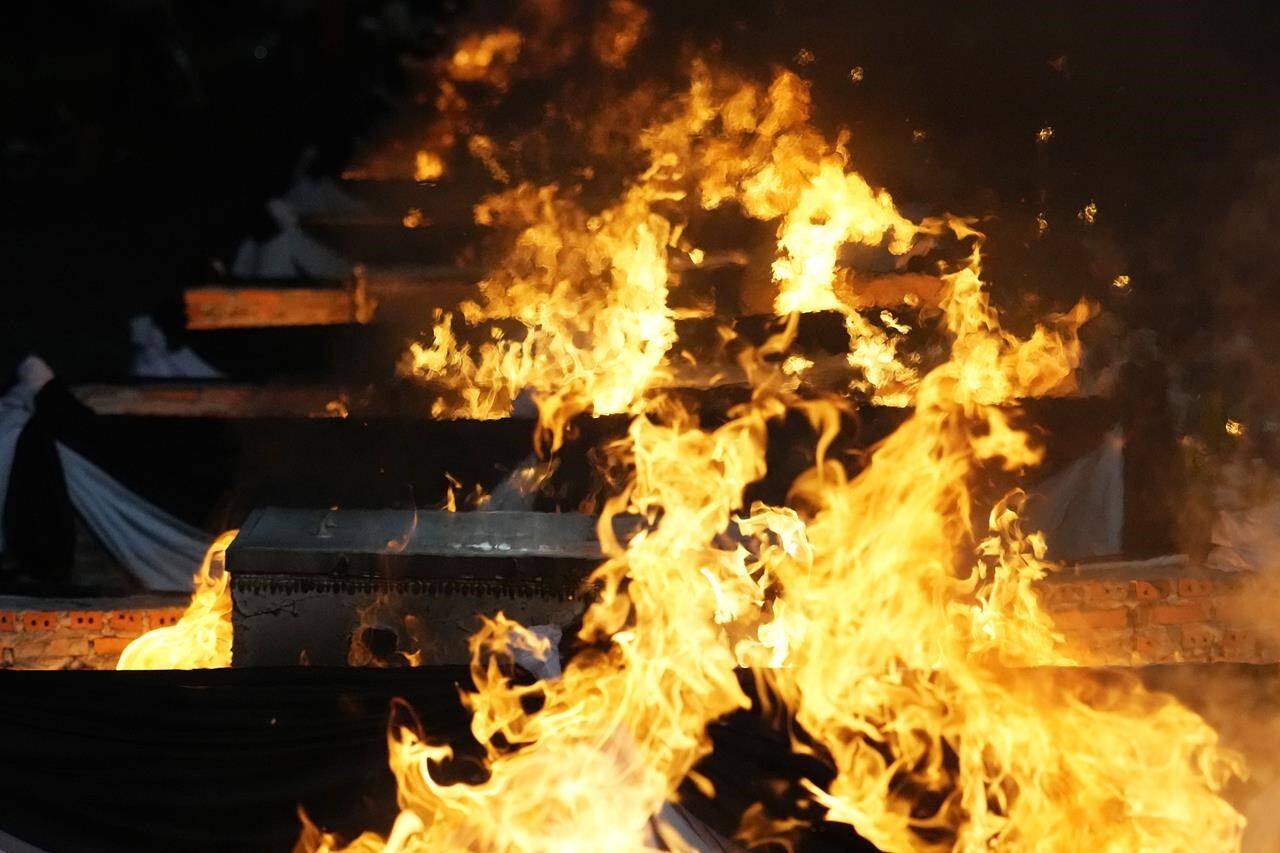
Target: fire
(486,57)
(427,166)
(201,639)
(592,292)
(906,643)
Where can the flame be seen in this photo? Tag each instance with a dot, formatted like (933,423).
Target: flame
(201,639)
(592,292)
(620,32)
(486,57)
(376,639)
(914,667)
(907,644)
(427,166)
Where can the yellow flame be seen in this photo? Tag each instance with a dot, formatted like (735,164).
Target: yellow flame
(486,57)
(427,166)
(592,292)
(904,641)
(619,33)
(201,639)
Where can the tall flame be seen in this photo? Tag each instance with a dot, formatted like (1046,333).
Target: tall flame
(201,639)
(907,644)
(592,292)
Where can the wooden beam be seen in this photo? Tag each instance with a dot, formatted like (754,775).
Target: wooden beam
(390,295)
(215,400)
(255,307)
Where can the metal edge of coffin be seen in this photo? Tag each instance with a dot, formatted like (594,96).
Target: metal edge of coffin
(300,579)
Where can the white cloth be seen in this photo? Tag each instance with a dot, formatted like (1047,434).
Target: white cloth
(291,254)
(152,358)
(541,663)
(1080,509)
(1246,539)
(161,551)
(319,196)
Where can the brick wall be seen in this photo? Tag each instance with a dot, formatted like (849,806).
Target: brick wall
(78,634)
(1121,614)
(1165,611)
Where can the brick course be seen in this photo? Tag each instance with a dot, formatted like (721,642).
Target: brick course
(1123,614)
(44,635)
(1167,613)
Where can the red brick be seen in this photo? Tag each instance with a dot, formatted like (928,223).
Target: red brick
(1098,592)
(128,621)
(8,620)
(1194,587)
(1092,620)
(1198,640)
(1110,647)
(1152,590)
(110,646)
(1153,644)
(1239,646)
(1058,595)
(85,620)
(1175,614)
(67,647)
(40,620)
(1236,608)
(162,618)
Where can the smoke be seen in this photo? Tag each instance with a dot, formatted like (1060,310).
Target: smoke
(1240,703)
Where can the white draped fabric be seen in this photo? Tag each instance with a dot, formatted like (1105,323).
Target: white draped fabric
(1080,509)
(161,551)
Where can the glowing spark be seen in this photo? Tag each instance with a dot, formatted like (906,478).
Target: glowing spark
(856,74)
(794,365)
(892,322)
(804,57)
(413,218)
(1120,282)
(1089,213)
(427,166)
(1044,134)
(1042,224)
(1235,428)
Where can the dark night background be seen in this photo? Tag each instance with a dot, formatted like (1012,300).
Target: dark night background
(140,139)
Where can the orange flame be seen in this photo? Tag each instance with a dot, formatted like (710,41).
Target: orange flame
(904,641)
(201,639)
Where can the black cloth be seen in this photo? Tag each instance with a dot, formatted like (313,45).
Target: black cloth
(39,521)
(1154,484)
